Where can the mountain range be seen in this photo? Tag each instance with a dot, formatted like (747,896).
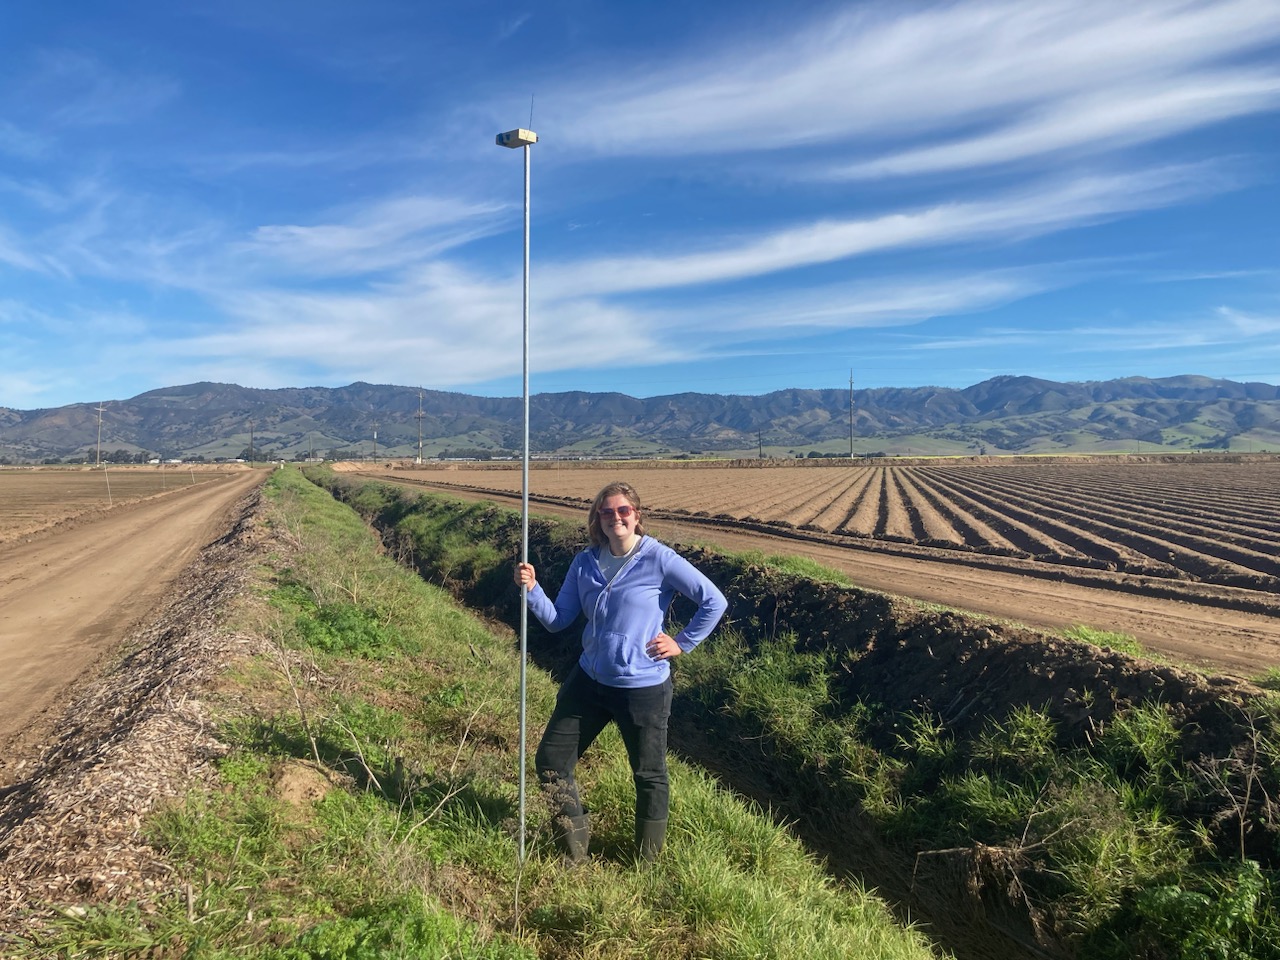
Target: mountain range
(1006,414)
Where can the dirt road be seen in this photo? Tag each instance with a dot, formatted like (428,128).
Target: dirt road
(69,596)
(1224,640)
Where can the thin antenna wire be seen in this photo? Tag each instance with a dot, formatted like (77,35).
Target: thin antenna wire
(531,111)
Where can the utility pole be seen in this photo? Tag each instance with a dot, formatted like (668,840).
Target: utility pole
(850,413)
(375,441)
(759,445)
(101,406)
(420,416)
(251,456)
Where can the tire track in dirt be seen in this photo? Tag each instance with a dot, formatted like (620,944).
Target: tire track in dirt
(66,597)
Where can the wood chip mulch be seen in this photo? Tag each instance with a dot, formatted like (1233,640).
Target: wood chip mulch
(137,736)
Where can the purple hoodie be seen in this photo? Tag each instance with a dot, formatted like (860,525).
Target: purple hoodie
(624,615)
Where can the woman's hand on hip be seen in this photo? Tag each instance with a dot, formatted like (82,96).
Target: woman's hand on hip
(662,647)
(526,576)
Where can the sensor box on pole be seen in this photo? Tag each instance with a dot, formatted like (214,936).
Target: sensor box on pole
(517,138)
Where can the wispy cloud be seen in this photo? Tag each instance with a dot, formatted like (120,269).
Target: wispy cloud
(1088,124)
(88,92)
(985,339)
(508,28)
(439,324)
(874,74)
(1116,339)
(1250,324)
(19,142)
(392,233)
(14,253)
(1024,213)
(882,302)
(1181,276)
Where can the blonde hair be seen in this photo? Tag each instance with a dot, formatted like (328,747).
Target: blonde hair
(617,488)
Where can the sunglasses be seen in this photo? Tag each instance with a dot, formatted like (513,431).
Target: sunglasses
(608,513)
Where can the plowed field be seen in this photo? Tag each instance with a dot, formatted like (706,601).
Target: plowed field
(34,499)
(1181,555)
(1214,523)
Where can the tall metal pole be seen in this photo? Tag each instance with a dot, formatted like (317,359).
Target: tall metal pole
(524,507)
(526,139)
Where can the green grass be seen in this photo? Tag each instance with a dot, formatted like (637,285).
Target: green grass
(1269,679)
(1108,639)
(796,566)
(367,803)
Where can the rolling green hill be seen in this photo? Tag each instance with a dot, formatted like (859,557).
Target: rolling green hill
(1002,415)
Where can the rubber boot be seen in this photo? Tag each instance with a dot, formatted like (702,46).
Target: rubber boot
(575,834)
(650,837)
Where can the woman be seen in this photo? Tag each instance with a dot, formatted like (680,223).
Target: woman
(624,583)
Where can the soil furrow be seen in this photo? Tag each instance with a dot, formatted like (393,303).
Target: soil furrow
(1163,547)
(972,532)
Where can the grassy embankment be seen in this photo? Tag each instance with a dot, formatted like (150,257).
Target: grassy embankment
(367,805)
(1113,834)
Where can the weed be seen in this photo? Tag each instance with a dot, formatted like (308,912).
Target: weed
(1224,915)
(795,566)
(926,737)
(1107,639)
(347,629)
(1025,738)
(1269,679)
(1142,741)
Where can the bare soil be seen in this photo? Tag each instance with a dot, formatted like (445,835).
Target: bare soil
(70,595)
(37,498)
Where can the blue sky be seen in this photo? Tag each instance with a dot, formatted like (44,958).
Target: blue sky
(727,197)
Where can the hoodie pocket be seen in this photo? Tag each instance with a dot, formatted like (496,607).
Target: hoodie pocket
(624,656)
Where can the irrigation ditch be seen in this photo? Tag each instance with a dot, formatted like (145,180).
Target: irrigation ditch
(921,710)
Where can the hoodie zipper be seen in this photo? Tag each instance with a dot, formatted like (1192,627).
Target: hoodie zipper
(603,594)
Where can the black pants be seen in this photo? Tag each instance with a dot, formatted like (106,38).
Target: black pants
(583,709)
